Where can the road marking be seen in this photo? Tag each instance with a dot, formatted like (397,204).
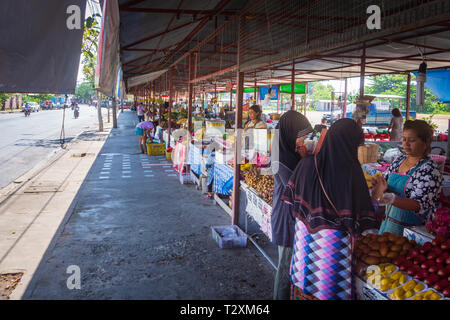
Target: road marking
(171,175)
(149,175)
(125,177)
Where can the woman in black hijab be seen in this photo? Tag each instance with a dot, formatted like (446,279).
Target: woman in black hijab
(293,127)
(331,204)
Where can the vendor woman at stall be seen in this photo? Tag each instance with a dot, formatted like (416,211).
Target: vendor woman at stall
(255,113)
(413,181)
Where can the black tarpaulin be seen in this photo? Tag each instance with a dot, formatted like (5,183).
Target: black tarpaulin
(40,45)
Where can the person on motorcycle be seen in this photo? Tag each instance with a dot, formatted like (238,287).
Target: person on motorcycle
(27,109)
(76,110)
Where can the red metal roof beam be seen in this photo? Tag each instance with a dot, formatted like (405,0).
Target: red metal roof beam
(180,11)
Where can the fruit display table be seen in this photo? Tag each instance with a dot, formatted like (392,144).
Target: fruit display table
(166,139)
(392,267)
(259,210)
(223,179)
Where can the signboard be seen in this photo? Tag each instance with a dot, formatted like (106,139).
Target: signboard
(265,90)
(298,88)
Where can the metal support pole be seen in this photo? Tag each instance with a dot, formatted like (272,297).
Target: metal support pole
(408,95)
(190,87)
(114,113)
(344,111)
(448,143)
(109,120)
(304,102)
(170,102)
(363,71)
(237,149)
(293,86)
(254,95)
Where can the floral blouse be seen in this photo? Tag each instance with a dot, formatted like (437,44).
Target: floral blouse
(424,186)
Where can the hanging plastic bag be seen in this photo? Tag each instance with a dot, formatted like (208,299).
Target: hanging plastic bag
(391,154)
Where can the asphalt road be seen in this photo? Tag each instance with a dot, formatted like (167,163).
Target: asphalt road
(26,141)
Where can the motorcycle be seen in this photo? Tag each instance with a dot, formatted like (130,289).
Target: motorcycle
(27,112)
(76,113)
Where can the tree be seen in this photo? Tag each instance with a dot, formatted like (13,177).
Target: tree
(85,91)
(3,98)
(396,84)
(319,91)
(90,46)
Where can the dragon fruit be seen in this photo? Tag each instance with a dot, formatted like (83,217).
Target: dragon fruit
(441,223)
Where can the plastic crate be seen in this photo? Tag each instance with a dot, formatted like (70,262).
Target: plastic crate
(169,155)
(156,149)
(239,240)
(186,178)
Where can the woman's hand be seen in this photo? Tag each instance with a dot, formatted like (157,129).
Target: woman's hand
(379,186)
(301,150)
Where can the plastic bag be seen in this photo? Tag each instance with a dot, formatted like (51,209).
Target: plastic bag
(391,154)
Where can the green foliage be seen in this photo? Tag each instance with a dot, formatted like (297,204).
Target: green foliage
(85,91)
(396,84)
(4,97)
(429,120)
(90,46)
(319,91)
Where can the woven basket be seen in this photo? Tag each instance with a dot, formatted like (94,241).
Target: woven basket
(362,154)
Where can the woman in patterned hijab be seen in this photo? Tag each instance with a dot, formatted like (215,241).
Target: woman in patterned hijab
(331,204)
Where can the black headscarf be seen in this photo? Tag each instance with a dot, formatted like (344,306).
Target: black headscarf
(343,181)
(292,125)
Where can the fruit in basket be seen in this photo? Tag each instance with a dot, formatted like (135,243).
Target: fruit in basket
(406,291)
(427,295)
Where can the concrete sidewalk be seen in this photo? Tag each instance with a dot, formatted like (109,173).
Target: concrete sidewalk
(134,232)
(34,205)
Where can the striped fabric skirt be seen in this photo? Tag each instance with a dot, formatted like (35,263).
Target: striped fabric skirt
(321,266)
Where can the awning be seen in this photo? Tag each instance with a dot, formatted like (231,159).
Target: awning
(438,81)
(40,45)
(145,78)
(108,49)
